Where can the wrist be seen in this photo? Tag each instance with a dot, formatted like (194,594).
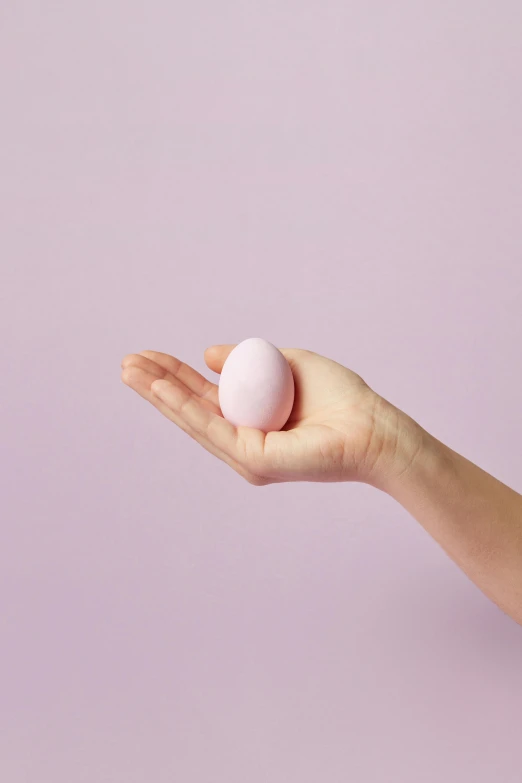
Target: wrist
(404,448)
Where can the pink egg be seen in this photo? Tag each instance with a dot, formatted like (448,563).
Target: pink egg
(256,386)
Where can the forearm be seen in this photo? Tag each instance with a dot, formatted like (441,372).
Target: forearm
(475,518)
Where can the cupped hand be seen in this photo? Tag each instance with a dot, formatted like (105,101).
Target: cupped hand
(339,428)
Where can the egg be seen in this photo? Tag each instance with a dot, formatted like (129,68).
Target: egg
(256,386)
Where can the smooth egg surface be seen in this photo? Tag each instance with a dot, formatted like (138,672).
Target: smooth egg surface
(256,386)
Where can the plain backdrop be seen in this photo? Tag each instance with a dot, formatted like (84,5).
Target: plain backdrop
(335,175)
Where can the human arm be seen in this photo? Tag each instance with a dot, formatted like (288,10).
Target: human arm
(473,516)
(342,430)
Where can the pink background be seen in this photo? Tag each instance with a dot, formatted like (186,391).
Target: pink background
(342,176)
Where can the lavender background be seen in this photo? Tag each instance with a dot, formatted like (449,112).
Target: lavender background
(341,176)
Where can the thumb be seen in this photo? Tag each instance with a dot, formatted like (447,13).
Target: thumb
(216,355)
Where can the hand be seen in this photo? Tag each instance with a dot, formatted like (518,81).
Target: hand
(339,428)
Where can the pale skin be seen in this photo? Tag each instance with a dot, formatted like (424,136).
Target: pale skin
(342,430)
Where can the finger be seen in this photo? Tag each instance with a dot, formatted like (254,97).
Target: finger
(202,420)
(243,444)
(141,381)
(175,368)
(216,355)
(153,368)
(137,360)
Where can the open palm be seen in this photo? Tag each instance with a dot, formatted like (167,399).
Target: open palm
(331,434)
